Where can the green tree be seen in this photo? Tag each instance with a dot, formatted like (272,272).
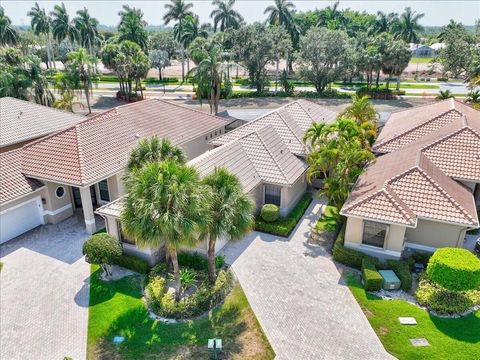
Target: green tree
(159,59)
(225,15)
(361,110)
(80,71)
(384,23)
(177,10)
(280,13)
(132,27)
(62,27)
(102,249)
(444,94)
(451,26)
(407,28)
(87,28)
(322,56)
(41,25)
(230,211)
(164,204)
(396,60)
(65,102)
(8,34)
(282,46)
(164,40)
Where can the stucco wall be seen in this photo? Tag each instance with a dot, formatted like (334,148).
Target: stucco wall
(22,199)
(57,209)
(291,195)
(435,234)
(395,238)
(256,194)
(354,230)
(200,145)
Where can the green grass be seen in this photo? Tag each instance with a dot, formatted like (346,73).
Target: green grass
(449,338)
(1,266)
(420,60)
(117,308)
(328,220)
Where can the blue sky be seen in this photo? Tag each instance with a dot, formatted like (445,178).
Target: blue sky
(437,12)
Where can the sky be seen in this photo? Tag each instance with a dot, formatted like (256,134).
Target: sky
(437,12)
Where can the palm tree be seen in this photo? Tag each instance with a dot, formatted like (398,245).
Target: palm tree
(444,94)
(132,27)
(451,26)
(383,23)
(66,102)
(225,15)
(177,10)
(361,109)
(185,32)
(41,24)
(8,34)
(154,149)
(230,211)
(37,81)
(315,133)
(473,97)
(330,15)
(79,69)
(280,13)
(164,204)
(87,28)
(408,27)
(62,27)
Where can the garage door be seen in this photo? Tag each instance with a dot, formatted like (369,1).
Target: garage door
(20,218)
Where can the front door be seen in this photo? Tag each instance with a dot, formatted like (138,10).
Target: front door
(77,199)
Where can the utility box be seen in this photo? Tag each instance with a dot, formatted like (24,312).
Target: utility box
(390,280)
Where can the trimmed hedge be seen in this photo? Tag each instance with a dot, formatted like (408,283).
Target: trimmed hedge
(326,94)
(349,257)
(372,280)
(454,269)
(196,261)
(133,263)
(283,226)
(402,269)
(270,212)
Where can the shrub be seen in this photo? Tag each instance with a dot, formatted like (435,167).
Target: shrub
(349,257)
(133,263)
(270,212)
(196,261)
(454,269)
(283,226)
(421,257)
(402,270)
(444,301)
(155,291)
(102,249)
(372,279)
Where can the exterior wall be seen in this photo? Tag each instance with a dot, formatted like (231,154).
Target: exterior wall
(432,234)
(470,185)
(395,238)
(200,145)
(114,187)
(57,209)
(291,195)
(22,199)
(256,195)
(354,230)
(202,247)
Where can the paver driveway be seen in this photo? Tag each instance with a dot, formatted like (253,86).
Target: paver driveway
(305,309)
(44,294)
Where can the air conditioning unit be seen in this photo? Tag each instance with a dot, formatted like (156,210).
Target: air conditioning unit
(390,280)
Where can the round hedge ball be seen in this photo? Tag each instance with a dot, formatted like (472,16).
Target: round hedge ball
(454,269)
(101,249)
(270,212)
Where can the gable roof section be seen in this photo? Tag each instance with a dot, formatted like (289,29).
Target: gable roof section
(21,121)
(99,146)
(12,182)
(290,121)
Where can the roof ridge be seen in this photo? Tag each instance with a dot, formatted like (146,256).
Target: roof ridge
(268,150)
(42,106)
(443,138)
(290,128)
(186,107)
(421,106)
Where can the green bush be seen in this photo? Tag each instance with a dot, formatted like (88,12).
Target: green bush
(101,249)
(403,271)
(372,279)
(196,261)
(155,291)
(349,257)
(454,269)
(326,94)
(270,213)
(444,301)
(133,263)
(283,226)
(421,257)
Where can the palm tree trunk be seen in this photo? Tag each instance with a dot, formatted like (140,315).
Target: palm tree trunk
(53,53)
(276,74)
(398,82)
(286,64)
(211,258)
(176,272)
(48,51)
(88,98)
(183,68)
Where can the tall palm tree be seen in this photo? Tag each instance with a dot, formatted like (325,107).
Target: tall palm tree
(79,68)
(41,25)
(230,211)
(451,26)
(408,28)
(185,32)
(132,27)
(62,27)
(8,34)
(87,28)
(37,81)
(177,10)
(280,13)
(331,14)
(66,101)
(164,204)
(383,23)
(225,15)
(315,133)
(154,149)
(361,110)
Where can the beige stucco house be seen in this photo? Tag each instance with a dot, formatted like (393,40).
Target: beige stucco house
(80,166)
(423,189)
(267,155)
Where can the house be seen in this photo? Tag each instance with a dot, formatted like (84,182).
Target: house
(81,166)
(437,47)
(266,154)
(239,117)
(422,190)
(420,50)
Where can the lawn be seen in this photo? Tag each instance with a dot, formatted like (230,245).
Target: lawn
(117,308)
(420,60)
(328,220)
(449,338)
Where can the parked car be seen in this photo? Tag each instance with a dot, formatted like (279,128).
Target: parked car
(477,247)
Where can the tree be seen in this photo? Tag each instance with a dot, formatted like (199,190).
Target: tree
(322,56)
(408,28)
(384,23)
(254,48)
(225,15)
(154,150)
(41,24)
(396,60)
(102,249)
(282,46)
(280,13)
(444,94)
(80,71)
(177,10)
(8,34)
(159,59)
(164,40)
(164,204)
(132,27)
(330,17)
(87,28)
(230,211)
(62,27)
(66,102)
(451,26)
(361,110)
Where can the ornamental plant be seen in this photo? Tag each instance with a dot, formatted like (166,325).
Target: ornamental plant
(102,249)
(270,212)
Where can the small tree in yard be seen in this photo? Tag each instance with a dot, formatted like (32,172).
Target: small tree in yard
(103,250)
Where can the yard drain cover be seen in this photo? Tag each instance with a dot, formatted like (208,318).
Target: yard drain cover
(407,320)
(419,342)
(118,339)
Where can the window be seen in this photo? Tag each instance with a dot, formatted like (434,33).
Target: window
(60,192)
(374,233)
(103,188)
(122,236)
(273,194)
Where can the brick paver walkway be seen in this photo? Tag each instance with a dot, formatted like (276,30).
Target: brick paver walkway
(304,307)
(44,294)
